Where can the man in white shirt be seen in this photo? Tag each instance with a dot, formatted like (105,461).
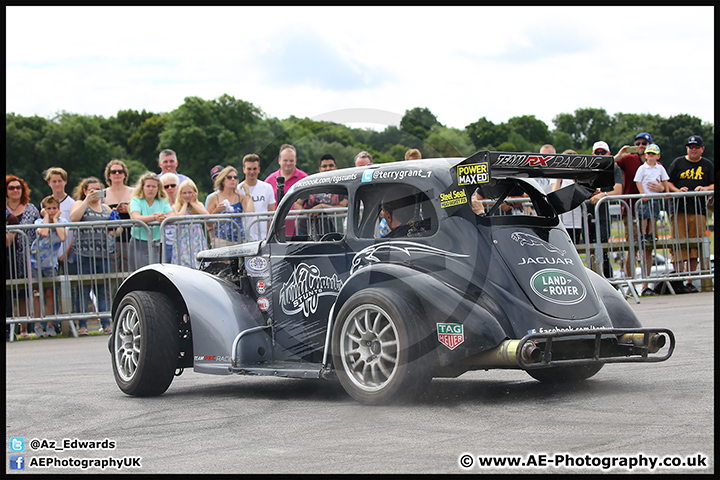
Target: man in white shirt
(263,197)
(167,161)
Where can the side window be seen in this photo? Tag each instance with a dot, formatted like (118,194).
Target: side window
(393,211)
(315,215)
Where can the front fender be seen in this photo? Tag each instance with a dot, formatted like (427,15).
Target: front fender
(217,309)
(439,304)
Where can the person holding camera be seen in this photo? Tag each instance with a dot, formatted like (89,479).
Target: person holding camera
(92,247)
(629,159)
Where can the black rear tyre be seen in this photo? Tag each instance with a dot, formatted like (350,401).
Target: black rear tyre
(378,349)
(144,344)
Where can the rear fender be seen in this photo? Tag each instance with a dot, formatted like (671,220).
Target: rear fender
(438,304)
(618,309)
(218,311)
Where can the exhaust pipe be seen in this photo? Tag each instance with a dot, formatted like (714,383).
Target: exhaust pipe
(506,354)
(656,342)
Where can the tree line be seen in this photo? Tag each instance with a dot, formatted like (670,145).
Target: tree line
(205,133)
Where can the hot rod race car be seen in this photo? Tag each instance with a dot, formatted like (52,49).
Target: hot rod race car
(426,275)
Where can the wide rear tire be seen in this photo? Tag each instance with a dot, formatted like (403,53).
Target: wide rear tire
(378,349)
(144,344)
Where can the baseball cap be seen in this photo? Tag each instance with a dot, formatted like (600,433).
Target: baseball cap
(644,135)
(694,140)
(215,170)
(601,146)
(652,148)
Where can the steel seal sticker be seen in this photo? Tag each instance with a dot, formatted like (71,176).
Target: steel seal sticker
(558,286)
(474,173)
(453,198)
(450,334)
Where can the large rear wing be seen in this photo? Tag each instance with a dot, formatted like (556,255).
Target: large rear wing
(594,171)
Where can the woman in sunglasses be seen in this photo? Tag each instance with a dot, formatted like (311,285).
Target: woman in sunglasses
(17,202)
(117,197)
(227,200)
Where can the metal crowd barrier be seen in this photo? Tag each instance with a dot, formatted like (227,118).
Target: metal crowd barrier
(77,294)
(661,264)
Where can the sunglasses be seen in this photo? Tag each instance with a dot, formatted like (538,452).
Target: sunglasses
(15,187)
(600,152)
(637,144)
(171,185)
(694,147)
(232,177)
(115,172)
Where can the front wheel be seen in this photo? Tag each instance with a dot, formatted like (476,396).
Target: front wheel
(144,344)
(378,349)
(565,374)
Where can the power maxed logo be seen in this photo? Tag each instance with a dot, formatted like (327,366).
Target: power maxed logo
(472,174)
(558,286)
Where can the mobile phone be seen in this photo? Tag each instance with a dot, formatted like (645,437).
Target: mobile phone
(633,149)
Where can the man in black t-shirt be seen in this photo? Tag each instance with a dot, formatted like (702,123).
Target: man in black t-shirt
(690,173)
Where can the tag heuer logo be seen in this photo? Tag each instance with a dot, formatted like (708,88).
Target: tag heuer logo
(450,334)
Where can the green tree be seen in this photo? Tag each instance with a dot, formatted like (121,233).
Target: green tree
(144,143)
(205,133)
(585,126)
(485,135)
(418,122)
(532,130)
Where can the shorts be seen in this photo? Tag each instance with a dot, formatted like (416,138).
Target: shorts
(46,273)
(649,210)
(684,226)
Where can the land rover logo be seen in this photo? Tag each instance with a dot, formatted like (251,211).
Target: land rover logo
(558,286)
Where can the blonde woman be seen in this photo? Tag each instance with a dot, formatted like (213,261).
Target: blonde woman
(170,183)
(189,239)
(148,204)
(227,200)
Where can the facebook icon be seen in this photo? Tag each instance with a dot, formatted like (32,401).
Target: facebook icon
(17,462)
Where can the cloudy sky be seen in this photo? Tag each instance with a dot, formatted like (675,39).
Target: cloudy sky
(363,66)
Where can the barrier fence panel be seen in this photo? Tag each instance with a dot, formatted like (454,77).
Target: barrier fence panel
(74,282)
(653,250)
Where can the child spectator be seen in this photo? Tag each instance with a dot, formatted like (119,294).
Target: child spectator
(44,257)
(189,239)
(650,171)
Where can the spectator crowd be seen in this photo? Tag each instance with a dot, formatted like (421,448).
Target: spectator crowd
(158,196)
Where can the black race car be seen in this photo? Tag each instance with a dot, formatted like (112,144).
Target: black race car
(438,267)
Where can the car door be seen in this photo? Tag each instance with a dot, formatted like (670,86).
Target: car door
(306,273)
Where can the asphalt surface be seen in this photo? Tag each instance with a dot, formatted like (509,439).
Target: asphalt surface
(630,414)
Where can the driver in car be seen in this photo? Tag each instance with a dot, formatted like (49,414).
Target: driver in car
(398,210)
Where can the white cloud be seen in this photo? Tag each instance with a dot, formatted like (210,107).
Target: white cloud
(462,63)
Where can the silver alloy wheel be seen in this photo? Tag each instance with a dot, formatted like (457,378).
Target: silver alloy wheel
(128,336)
(369,347)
